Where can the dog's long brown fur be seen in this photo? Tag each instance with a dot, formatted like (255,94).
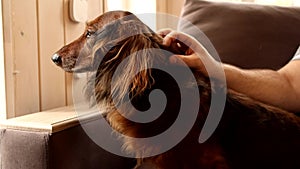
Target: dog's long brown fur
(250,134)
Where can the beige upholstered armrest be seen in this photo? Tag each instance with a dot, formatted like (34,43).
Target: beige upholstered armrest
(55,139)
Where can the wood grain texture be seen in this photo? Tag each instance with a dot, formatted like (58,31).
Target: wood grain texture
(51,38)
(33,31)
(169,13)
(25,55)
(174,8)
(8,52)
(73,30)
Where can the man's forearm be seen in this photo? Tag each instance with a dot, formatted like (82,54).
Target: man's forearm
(267,86)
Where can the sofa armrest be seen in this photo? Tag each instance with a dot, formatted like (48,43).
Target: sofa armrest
(54,140)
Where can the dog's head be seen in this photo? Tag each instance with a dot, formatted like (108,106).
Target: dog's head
(106,42)
(104,31)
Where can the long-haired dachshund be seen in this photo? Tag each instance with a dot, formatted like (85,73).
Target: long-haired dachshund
(250,135)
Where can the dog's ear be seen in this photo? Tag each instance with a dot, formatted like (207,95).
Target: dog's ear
(133,61)
(112,35)
(125,55)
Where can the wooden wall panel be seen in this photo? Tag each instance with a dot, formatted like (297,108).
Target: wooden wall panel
(169,13)
(73,30)
(161,6)
(25,55)
(33,31)
(174,8)
(95,8)
(2,73)
(51,38)
(8,52)
(162,9)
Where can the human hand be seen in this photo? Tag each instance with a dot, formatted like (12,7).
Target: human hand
(195,55)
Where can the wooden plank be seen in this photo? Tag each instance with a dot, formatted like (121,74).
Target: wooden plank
(51,38)
(105,6)
(174,8)
(161,6)
(33,83)
(73,30)
(2,72)
(169,12)
(162,9)
(95,8)
(9,59)
(25,56)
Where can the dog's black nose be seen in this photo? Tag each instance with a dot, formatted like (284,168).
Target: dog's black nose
(56,59)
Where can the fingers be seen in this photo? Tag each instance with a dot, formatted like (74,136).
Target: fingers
(180,37)
(193,61)
(163,32)
(193,54)
(185,43)
(171,36)
(183,60)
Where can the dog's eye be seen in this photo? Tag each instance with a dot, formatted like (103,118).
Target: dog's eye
(88,34)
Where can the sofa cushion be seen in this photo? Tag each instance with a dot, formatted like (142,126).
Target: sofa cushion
(244,34)
(56,139)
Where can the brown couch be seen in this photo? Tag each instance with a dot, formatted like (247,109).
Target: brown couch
(249,36)
(246,35)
